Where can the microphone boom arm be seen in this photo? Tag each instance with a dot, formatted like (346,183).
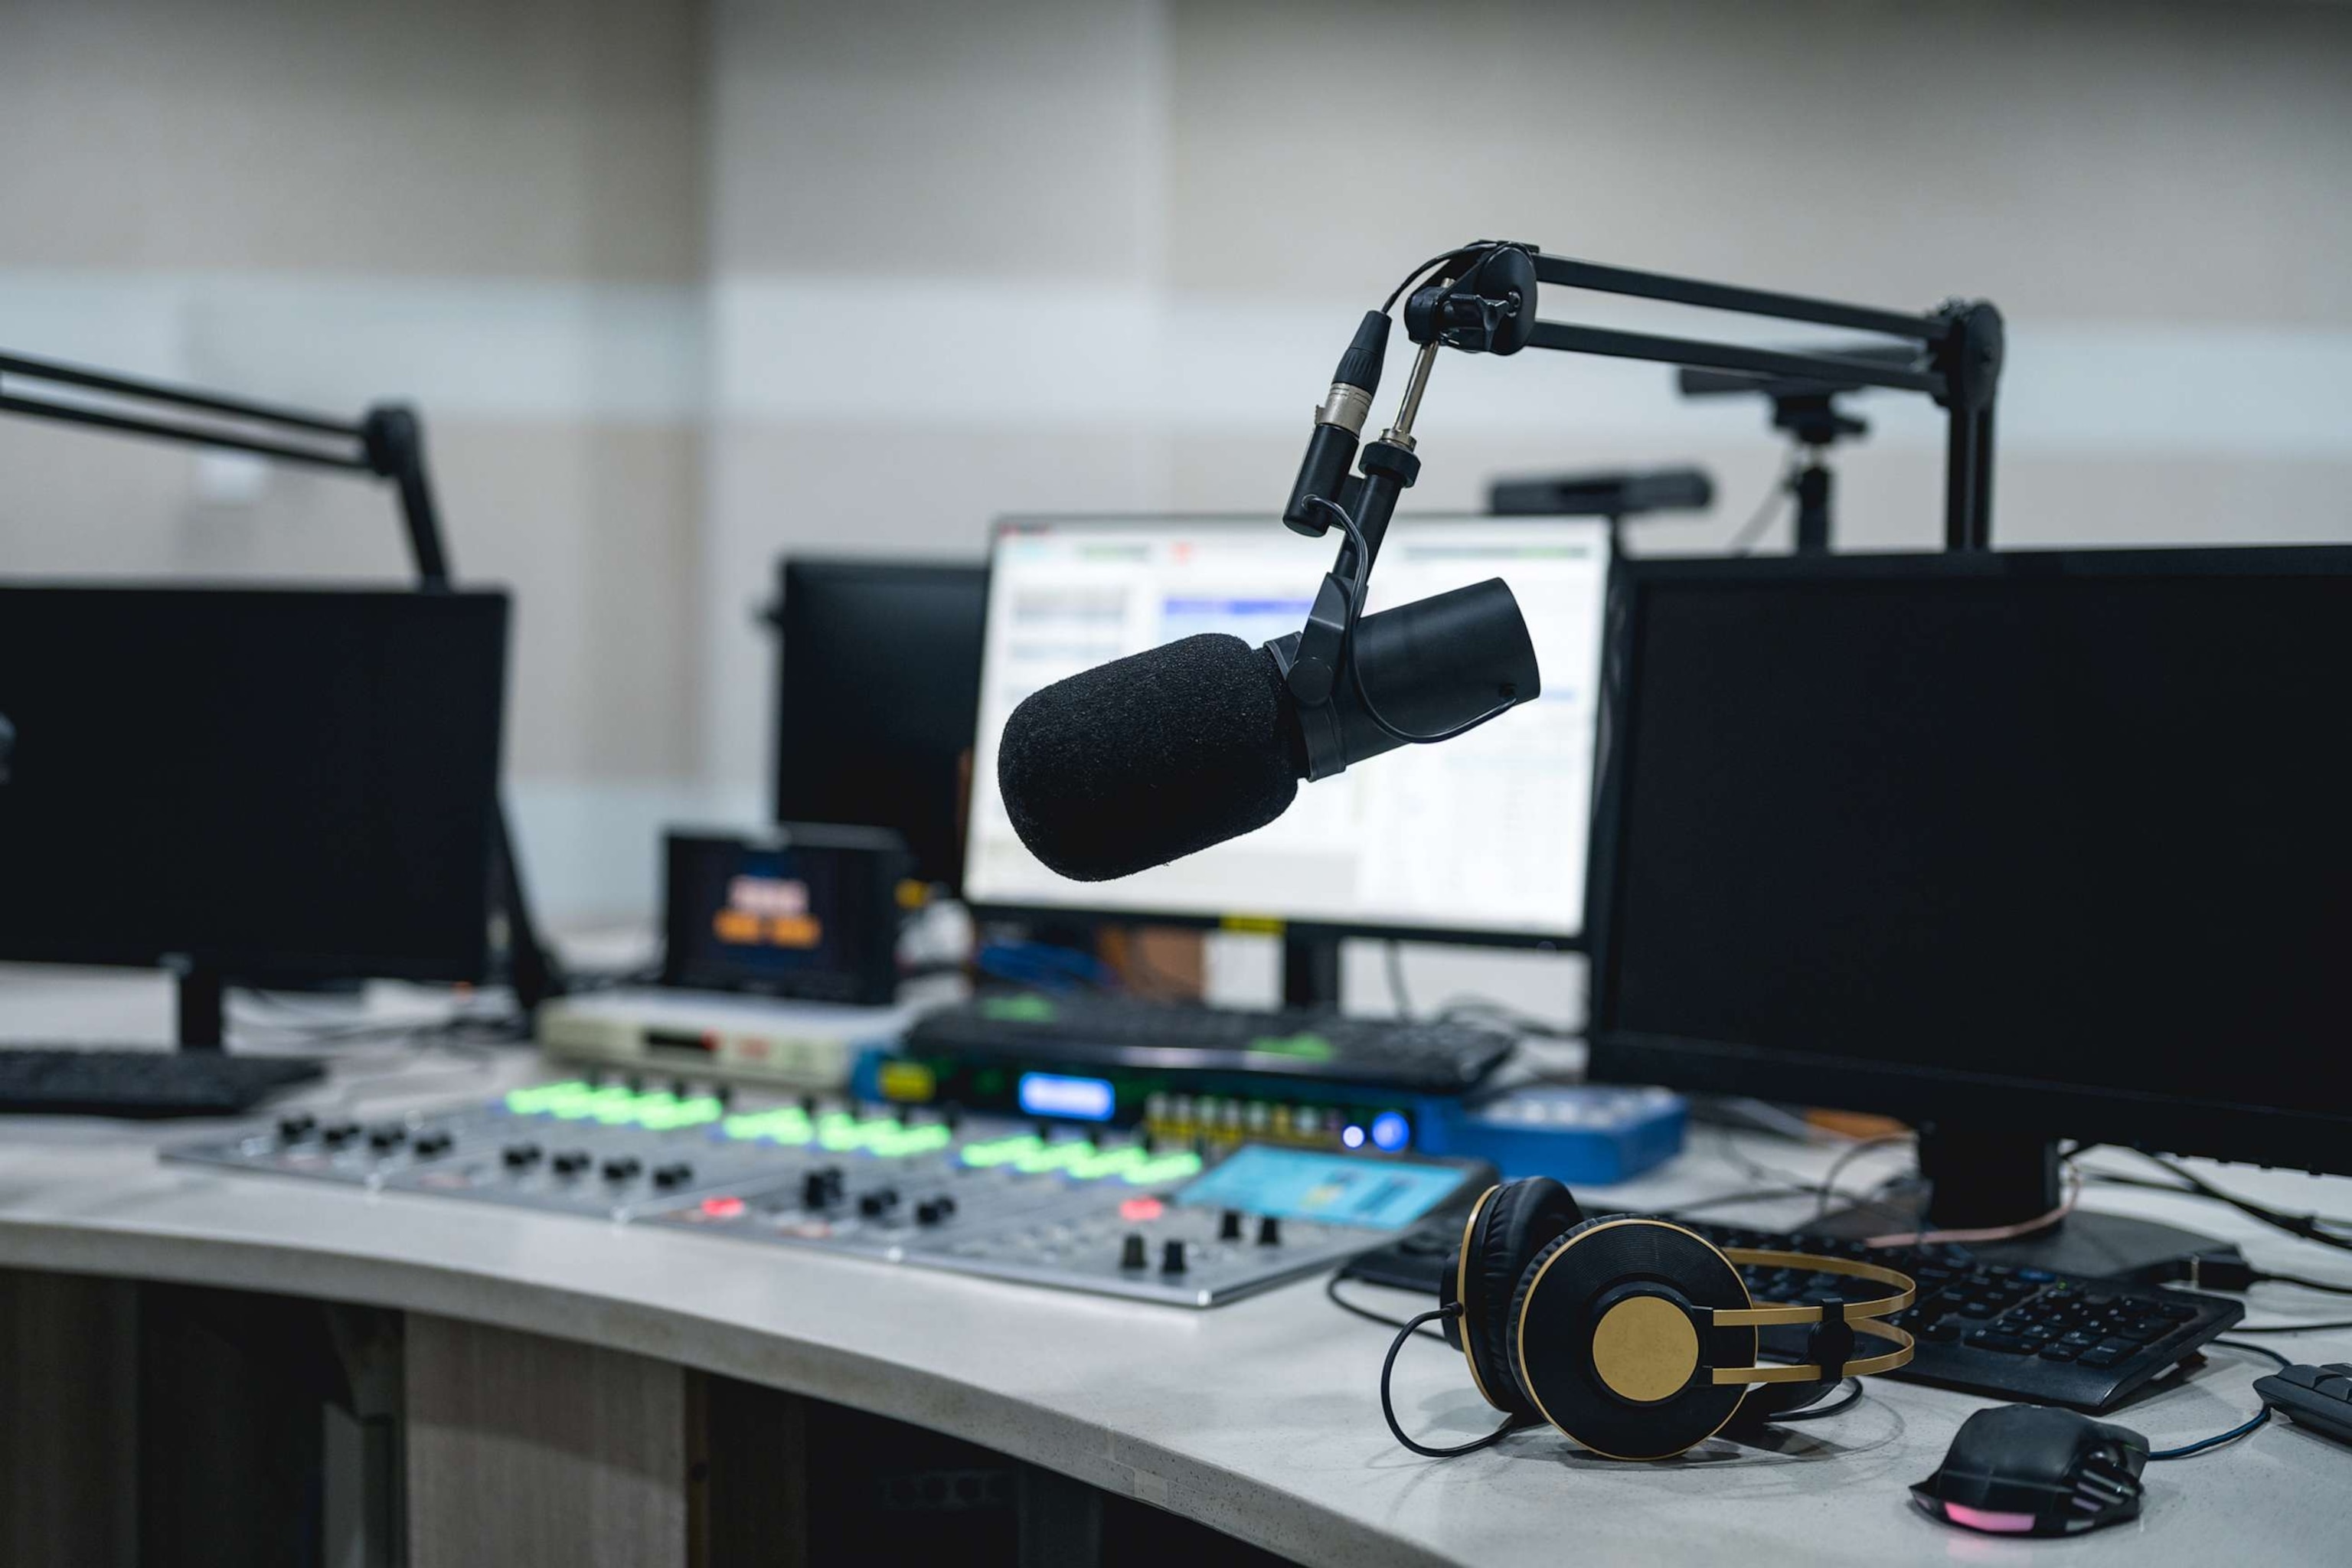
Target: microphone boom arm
(1490,306)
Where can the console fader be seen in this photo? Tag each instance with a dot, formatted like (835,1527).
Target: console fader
(1039,1203)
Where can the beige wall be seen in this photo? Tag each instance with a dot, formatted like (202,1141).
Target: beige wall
(681,287)
(497,210)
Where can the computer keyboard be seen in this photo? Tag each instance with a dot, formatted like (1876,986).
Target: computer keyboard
(145,1084)
(1998,1328)
(1423,1057)
(1983,1327)
(2319,1397)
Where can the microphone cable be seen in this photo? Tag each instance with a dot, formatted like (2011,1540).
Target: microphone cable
(1388,1406)
(1476,248)
(1356,593)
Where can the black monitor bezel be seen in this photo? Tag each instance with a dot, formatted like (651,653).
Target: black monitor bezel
(2183,1123)
(1259,921)
(467,958)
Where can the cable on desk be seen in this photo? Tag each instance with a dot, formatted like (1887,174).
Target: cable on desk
(1331,1289)
(2039,1223)
(1399,996)
(2299,1282)
(2288,1329)
(1859,1147)
(2309,1226)
(1509,1017)
(1388,1408)
(2234,1433)
(1847,1401)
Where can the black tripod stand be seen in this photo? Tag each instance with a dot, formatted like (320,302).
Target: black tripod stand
(1807,410)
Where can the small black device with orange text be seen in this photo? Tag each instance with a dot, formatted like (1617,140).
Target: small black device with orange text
(801,910)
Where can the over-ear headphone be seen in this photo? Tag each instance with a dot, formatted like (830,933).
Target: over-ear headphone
(1635,1336)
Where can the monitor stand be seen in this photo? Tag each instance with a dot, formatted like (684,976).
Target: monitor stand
(1974,1178)
(203,1008)
(1310,972)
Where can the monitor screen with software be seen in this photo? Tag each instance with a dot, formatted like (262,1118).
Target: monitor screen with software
(1480,839)
(2058,844)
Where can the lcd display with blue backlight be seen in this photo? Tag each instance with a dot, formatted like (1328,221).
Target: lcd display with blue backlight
(1293,1184)
(1076,1099)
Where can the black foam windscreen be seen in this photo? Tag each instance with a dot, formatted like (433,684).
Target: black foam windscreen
(1136,763)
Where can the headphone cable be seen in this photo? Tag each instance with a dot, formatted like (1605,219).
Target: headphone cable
(1388,1409)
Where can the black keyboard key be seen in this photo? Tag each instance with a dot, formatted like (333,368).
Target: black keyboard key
(2100,1358)
(2007,1344)
(2061,1352)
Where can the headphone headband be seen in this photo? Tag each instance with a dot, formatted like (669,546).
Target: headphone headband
(1779,1316)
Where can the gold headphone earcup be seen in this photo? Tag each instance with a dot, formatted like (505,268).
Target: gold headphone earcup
(1603,1347)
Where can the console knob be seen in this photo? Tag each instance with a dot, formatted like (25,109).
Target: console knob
(1172,1256)
(1230,1227)
(929,1212)
(294,1129)
(880,1201)
(674,1175)
(571,1161)
(620,1167)
(1131,1253)
(816,1191)
(521,1156)
(432,1144)
(386,1137)
(1270,1231)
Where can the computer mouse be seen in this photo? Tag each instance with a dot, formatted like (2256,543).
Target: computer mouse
(2022,1469)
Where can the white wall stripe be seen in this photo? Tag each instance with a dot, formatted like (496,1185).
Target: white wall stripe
(1076,356)
(462,347)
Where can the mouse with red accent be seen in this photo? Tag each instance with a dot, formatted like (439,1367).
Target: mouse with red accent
(2022,1469)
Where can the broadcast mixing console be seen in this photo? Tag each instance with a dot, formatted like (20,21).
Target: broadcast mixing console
(1014,1200)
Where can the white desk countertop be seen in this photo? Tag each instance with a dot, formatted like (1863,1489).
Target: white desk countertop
(1261,1418)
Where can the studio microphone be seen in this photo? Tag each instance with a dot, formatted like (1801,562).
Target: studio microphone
(1162,753)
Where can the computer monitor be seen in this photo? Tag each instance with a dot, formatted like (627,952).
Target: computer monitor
(1480,839)
(880,686)
(2017,846)
(243,781)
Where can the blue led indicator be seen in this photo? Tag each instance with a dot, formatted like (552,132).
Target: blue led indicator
(1078,1099)
(1391,1132)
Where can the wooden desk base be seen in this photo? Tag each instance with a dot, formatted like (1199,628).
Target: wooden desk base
(159,1425)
